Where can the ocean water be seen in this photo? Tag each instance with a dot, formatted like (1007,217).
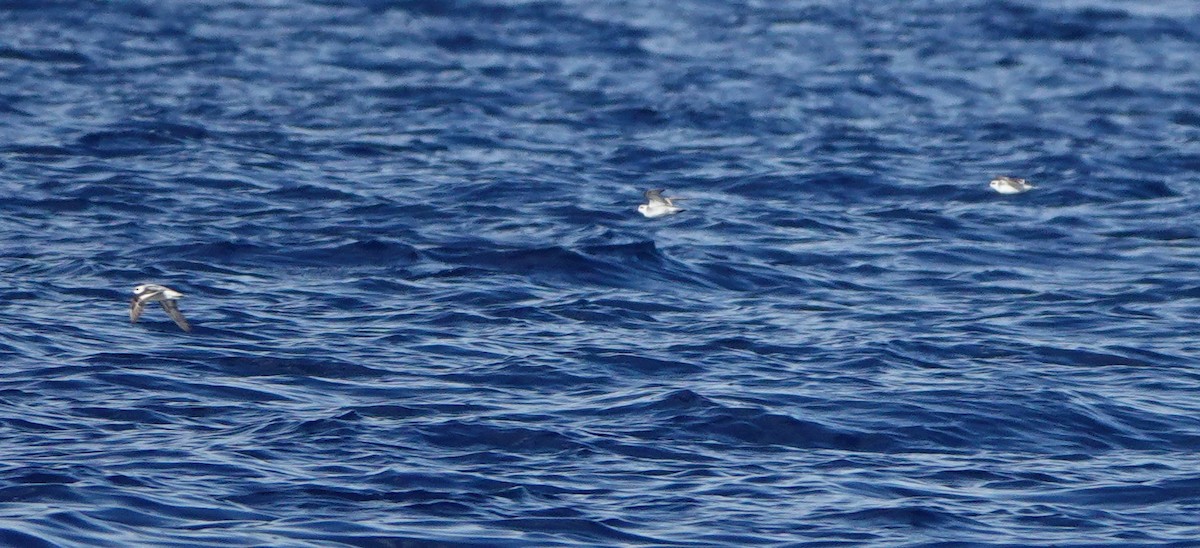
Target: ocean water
(427,313)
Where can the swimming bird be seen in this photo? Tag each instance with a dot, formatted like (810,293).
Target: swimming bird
(658,205)
(1010,185)
(165,296)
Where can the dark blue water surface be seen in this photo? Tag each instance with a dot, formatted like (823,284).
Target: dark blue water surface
(427,312)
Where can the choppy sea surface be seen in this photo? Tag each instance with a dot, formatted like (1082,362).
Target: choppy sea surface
(427,312)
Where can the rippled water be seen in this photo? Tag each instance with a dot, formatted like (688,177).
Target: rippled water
(426,310)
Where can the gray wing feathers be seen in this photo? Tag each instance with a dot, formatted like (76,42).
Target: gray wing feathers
(135,309)
(655,196)
(172,309)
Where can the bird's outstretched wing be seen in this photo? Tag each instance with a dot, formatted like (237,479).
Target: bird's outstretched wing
(655,196)
(172,309)
(136,307)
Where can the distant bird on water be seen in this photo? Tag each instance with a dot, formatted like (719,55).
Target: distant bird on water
(165,296)
(1010,185)
(658,205)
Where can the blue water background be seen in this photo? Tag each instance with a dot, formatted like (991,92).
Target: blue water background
(426,310)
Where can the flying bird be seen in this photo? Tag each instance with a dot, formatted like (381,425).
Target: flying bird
(165,296)
(658,205)
(1010,185)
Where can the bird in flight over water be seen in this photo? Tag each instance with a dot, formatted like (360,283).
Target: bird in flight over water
(658,205)
(165,296)
(1010,185)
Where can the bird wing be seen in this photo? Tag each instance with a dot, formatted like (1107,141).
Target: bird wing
(655,196)
(172,309)
(135,309)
